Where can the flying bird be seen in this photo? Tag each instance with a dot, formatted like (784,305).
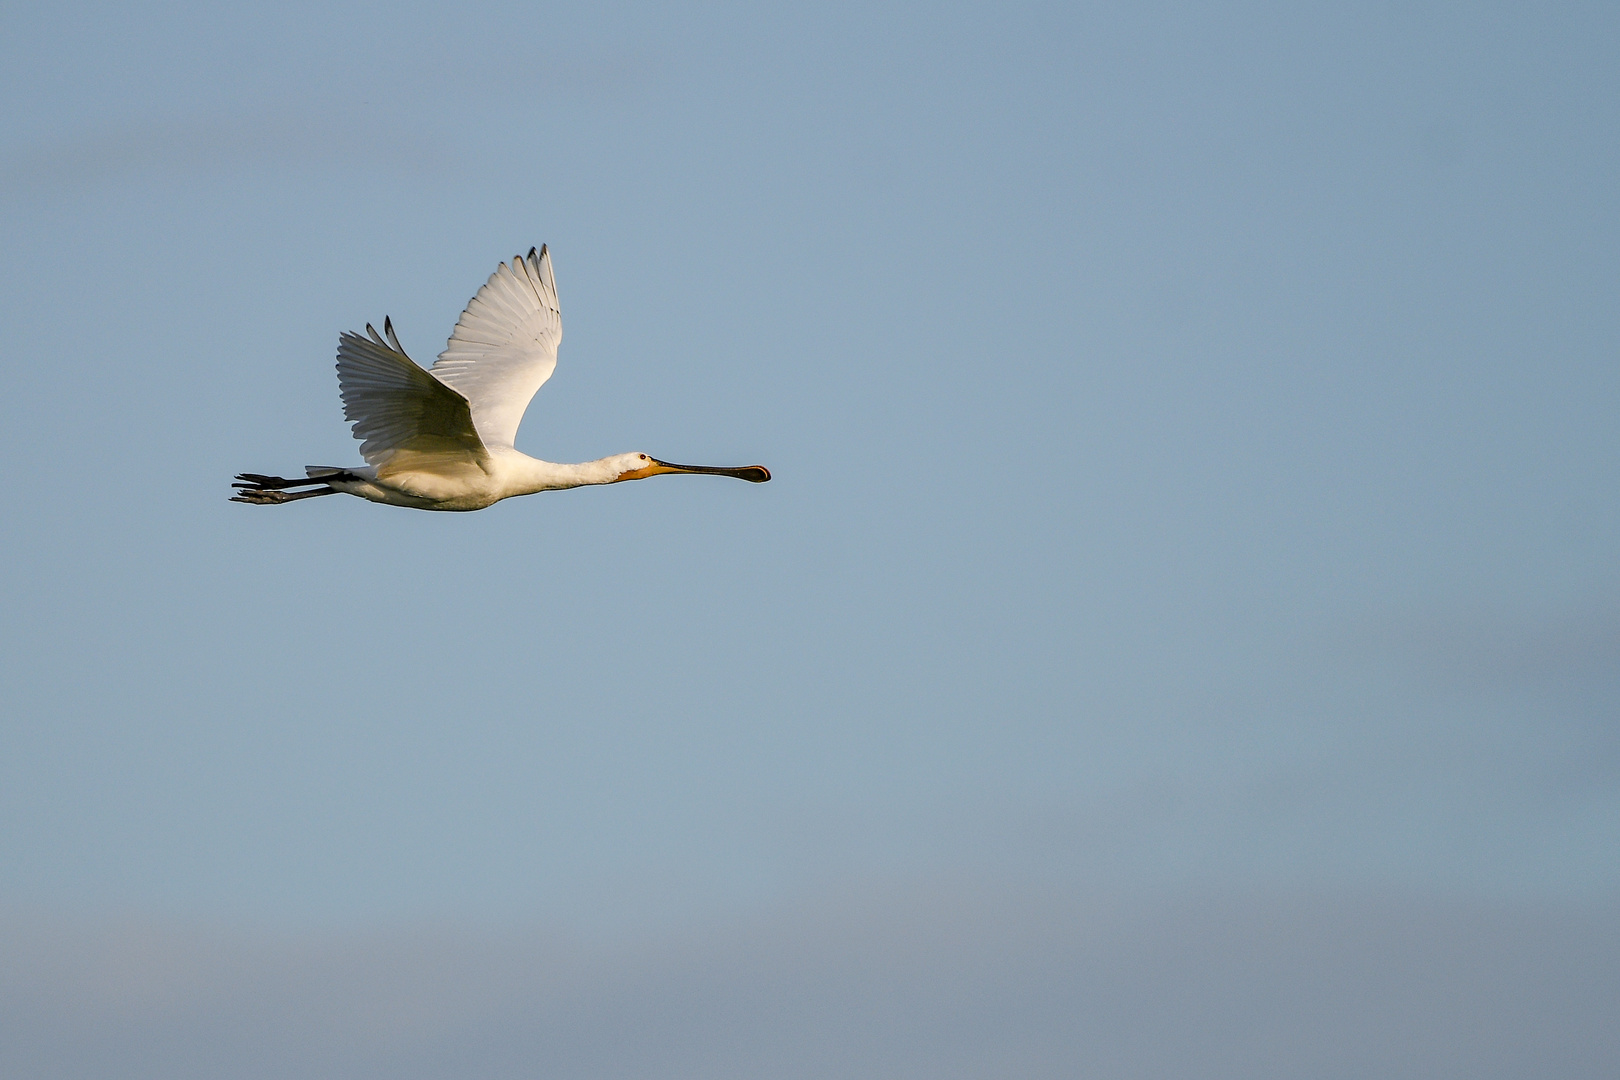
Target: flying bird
(441,438)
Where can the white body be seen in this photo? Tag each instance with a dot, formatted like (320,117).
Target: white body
(465,485)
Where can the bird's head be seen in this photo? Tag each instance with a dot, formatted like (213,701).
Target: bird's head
(641,466)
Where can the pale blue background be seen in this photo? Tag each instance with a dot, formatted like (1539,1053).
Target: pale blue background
(1194,530)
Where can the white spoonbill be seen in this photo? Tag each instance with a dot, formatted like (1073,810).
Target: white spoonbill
(441,439)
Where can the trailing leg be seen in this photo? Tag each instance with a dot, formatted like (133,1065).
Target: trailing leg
(272,496)
(276,483)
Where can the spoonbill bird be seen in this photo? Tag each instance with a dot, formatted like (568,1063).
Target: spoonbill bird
(441,439)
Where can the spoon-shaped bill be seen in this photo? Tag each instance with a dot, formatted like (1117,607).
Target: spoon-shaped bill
(754,474)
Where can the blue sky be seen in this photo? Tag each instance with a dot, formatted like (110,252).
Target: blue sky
(1194,450)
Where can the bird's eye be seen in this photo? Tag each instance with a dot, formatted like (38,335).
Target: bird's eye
(643,457)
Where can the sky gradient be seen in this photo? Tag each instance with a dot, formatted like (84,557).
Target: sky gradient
(1188,578)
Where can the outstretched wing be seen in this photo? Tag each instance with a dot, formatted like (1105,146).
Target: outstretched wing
(397,406)
(505,345)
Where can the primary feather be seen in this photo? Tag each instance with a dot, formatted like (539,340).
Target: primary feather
(504,346)
(397,406)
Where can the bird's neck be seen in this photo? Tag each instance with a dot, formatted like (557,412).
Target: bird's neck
(526,475)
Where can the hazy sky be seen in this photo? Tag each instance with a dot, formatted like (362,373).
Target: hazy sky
(1190,563)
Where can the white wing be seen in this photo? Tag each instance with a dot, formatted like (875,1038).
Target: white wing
(396,406)
(505,345)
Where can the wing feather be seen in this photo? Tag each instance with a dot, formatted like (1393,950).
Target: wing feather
(504,346)
(396,405)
